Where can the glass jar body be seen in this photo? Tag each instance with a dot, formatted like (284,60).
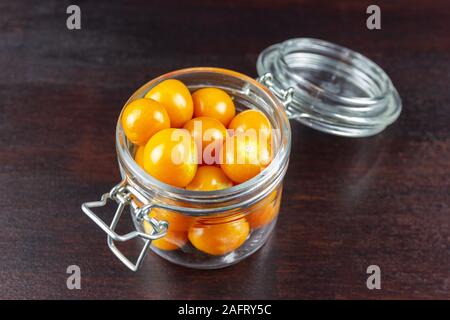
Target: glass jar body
(214,229)
(214,241)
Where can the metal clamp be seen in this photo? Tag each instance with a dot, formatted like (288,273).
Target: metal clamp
(285,96)
(122,196)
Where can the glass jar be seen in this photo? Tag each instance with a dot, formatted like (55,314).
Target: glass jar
(322,85)
(227,225)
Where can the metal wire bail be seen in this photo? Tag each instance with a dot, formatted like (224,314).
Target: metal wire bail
(121,194)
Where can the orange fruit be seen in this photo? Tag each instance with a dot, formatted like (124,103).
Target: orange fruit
(173,240)
(265,211)
(142,118)
(209,134)
(176,221)
(171,157)
(251,120)
(139,156)
(244,157)
(219,239)
(214,103)
(176,98)
(209,178)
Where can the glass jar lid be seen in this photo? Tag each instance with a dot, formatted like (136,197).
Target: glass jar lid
(330,88)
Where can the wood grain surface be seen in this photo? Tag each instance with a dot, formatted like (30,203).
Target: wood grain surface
(347,203)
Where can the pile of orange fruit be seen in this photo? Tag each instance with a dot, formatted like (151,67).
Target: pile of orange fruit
(198,142)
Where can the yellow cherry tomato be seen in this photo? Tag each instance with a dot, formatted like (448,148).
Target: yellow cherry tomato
(219,239)
(209,134)
(214,103)
(265,211)
(177,100)
(177,221)
(173,240)
(139,156)
(142,118)
(251,120)
(171,157)
(209,178)
(243,157)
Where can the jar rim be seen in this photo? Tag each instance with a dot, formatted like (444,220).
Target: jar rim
(145,180)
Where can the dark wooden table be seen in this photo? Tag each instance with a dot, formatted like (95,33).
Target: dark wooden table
(348,203)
